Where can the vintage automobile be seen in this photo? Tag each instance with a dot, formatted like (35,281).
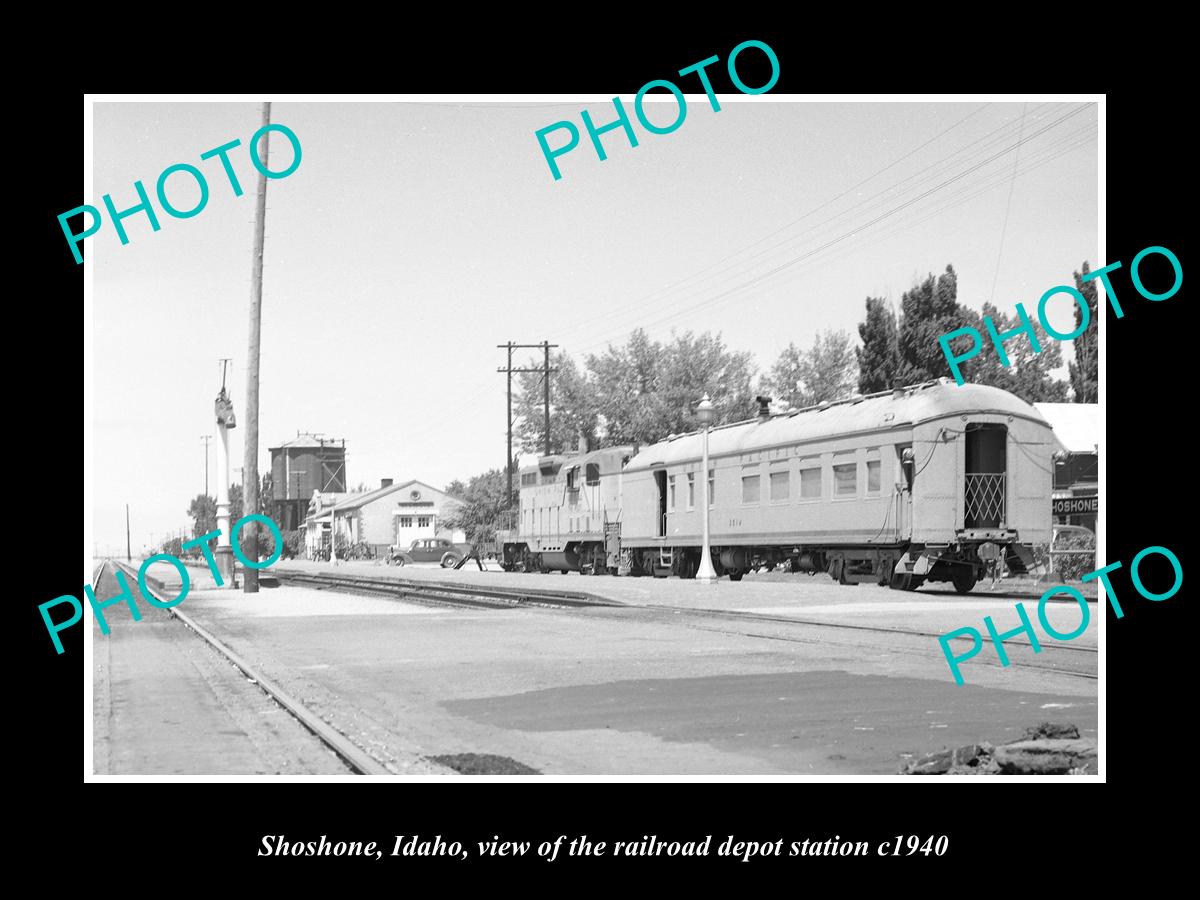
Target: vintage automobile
(438,550)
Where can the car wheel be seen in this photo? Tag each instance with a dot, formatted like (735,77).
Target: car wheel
(449,561)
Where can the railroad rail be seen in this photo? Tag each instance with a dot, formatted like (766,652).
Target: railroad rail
(350,753)
(442,593)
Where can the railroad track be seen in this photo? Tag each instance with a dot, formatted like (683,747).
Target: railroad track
(350,753)
(441,593)
(480,597)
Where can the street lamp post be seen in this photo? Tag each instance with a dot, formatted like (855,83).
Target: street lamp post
(705,574)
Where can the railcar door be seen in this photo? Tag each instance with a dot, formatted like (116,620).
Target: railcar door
(984,487)
(660,482)
(905,466)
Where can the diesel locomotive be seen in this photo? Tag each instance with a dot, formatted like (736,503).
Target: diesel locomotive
(900,488)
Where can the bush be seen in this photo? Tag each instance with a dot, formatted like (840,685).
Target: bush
(293,544)
(1067,566)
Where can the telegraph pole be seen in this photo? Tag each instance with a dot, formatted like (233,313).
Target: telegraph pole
(508,370)
(250,459)
(206,438)
(546,392)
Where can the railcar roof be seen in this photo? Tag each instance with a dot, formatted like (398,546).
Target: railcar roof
(578,459)
(877,412)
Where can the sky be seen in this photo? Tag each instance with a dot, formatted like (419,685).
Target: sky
(415,237)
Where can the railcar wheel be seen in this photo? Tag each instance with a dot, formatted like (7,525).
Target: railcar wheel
(965,581)
(736,575)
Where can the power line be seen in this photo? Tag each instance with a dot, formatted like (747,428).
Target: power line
(636,303)
(852,232)
(1007,208)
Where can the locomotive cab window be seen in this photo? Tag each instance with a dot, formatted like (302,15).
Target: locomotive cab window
(593,474)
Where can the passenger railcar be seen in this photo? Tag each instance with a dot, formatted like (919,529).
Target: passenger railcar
(899,488)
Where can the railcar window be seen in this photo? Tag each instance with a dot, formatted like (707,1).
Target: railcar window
(845,480)
(528,478)
(780,489)
(873,473)
(712,487)
(593,474)
(810,484)
(671,493)
(750,488)
(691,481)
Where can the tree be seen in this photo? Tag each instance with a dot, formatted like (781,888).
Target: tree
(931,309)
(1028,374)
(572,407)
(483,500)
(646,390)
(879,356)
(1085,368)
(203,511)
(828,371)
(927,311)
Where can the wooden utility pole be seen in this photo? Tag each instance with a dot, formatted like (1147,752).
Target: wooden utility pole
(250,459)
(128,549)
(546,390)
(509,371)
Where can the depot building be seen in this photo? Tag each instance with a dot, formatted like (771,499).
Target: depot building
(1075,499)
(390,514)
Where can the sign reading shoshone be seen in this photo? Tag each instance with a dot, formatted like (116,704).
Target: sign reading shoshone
(1073,506)
(202,542)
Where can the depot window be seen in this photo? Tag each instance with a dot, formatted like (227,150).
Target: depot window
(424,521)
(750,484)
(845,480)
(406,521)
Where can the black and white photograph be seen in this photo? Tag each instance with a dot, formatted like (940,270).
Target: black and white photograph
(685,435)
